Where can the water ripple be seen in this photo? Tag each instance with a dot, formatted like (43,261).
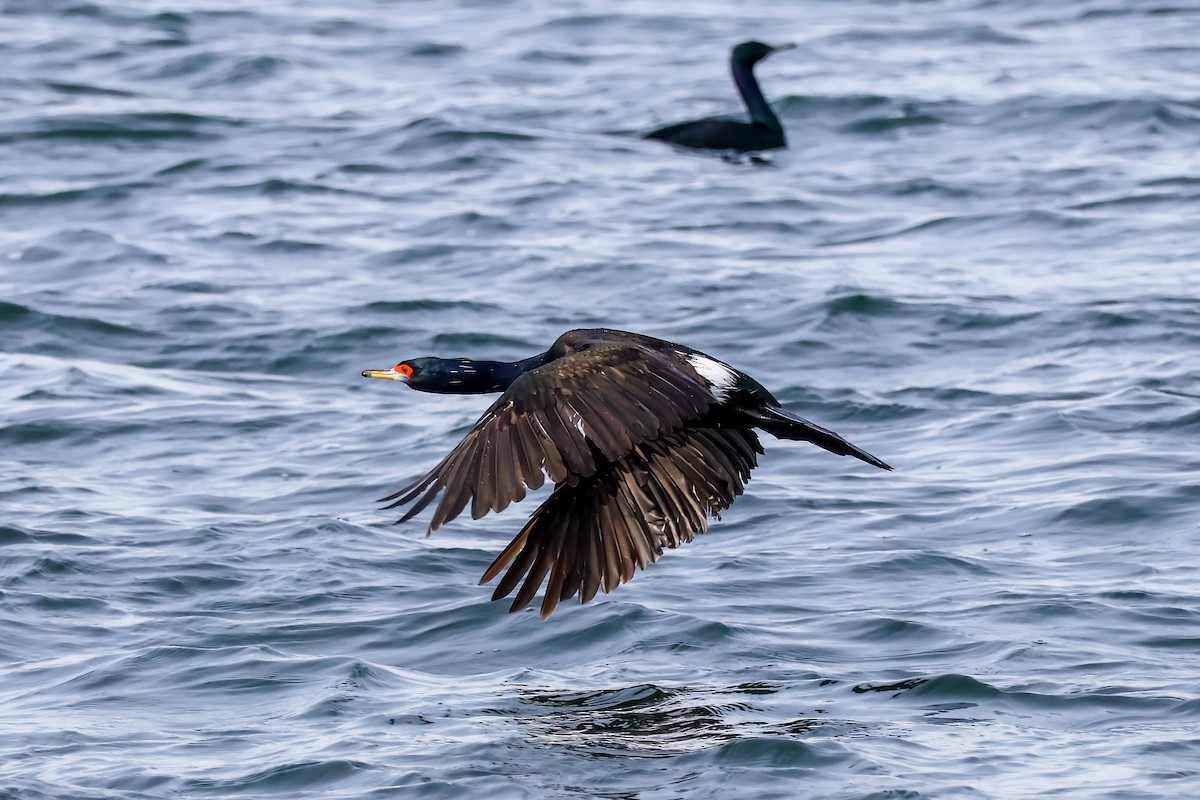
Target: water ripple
(976,259)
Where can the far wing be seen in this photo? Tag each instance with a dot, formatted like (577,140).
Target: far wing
(594,535)
(565,419)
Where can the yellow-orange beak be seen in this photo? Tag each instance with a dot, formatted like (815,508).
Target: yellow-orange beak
(386,374)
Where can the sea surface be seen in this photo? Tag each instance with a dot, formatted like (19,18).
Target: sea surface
(979,259)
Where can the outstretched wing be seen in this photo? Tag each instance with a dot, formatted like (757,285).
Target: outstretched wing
(566,419)
(595,534)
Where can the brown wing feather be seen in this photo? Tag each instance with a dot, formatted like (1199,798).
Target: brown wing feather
(569,419)
(596,534)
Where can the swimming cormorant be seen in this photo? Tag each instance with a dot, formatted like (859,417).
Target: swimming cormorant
(763,132)
(644,439)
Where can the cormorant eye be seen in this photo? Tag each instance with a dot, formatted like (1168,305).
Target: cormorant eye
(405,370)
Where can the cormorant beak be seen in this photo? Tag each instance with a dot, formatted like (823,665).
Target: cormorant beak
(782,47)
(386,374)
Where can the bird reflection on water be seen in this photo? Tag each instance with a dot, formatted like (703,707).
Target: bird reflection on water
(650,721)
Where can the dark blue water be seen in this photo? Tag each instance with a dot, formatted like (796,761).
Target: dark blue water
(978,260)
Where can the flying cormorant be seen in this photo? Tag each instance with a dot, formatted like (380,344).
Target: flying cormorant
(644,440)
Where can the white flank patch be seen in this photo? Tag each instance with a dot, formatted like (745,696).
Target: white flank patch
(720,377)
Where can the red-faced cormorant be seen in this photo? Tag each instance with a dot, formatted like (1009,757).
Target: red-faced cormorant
(644,440)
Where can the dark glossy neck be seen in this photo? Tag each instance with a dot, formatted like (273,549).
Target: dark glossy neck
(470,376)
(756,104)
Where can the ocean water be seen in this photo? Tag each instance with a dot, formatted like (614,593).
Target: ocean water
(978,260)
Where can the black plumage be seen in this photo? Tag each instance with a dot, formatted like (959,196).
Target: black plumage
(764,131)
(644,440)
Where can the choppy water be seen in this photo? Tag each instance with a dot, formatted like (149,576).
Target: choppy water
(978,260)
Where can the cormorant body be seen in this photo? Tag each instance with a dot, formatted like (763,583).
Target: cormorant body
(643,439)
(763,132)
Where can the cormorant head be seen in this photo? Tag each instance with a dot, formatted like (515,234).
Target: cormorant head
(448,375)
(418,373)
(753,52)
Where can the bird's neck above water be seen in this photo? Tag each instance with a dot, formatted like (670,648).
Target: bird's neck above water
(756,104)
